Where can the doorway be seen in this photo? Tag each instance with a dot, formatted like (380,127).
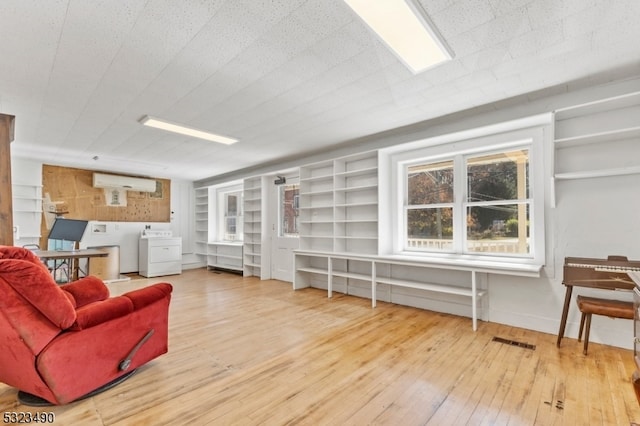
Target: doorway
(283,224)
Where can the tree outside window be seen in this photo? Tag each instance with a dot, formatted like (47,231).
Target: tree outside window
(498,202)
(494,198)
(429,212)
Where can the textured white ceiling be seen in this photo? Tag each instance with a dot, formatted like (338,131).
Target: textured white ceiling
(285,77)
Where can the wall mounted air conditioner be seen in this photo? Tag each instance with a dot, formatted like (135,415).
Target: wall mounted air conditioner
(101,180)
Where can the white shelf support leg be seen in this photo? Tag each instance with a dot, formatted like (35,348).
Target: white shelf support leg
(373,284)
(474,301)
(329,278)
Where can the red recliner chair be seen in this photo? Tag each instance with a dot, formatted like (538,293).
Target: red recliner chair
(62,343)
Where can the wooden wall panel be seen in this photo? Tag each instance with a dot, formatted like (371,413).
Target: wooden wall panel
(72,189)
(6,200)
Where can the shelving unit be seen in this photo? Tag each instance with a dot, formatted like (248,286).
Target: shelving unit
(582,130)
(339,205)
(202,220)
(225,255)
(252,252)
(350,273)
(339,245)
(27,213)
(316,206)
(356,204)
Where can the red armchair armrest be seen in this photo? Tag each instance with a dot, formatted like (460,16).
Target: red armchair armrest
(100,312)
(146,296)
(87,290)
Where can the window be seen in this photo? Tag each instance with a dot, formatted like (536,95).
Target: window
(498,203)
(473,196)
(429,209)
(228,213)
(289,203)
(494,204)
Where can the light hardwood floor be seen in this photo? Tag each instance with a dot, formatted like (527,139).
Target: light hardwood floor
(246,352)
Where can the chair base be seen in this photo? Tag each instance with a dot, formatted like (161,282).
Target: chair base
(31,400)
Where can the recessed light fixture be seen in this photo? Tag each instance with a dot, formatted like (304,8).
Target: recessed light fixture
(406,29)
(184,130)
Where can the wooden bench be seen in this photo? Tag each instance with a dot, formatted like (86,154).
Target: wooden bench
(607,307)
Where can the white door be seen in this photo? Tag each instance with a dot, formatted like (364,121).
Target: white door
(283,226)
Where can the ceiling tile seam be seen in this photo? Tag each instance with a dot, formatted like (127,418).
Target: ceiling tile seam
(155,79)
(307,50)
(442,11)
(328,93)
(51,68)
(212,76)
(101,79)
(334,90)
(276,130)
(341,104)
(355,113)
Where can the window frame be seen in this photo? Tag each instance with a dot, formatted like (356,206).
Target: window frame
(219,209)
(533,132)
(295,205)
(460,203)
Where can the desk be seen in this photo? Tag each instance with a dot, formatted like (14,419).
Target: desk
(72,256)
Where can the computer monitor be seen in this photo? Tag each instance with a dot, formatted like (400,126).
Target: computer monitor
(67,229)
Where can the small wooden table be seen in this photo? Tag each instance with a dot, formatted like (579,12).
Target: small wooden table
(72,256)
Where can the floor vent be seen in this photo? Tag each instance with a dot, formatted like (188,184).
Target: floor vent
(514,343)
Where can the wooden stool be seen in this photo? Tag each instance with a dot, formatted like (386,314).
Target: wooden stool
(607,307)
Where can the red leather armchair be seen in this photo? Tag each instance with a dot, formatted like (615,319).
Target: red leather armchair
(61,343)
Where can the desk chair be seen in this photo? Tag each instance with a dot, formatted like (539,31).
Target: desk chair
(53,266)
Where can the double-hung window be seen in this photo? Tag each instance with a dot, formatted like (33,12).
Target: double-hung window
(232,215)
(475,203)
(226,209)
(475,196)
(429,206)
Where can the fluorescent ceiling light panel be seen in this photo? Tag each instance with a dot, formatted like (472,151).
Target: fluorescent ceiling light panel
(406,29)
(184,130)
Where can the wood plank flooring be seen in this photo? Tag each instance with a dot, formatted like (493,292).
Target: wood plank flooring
(248,352)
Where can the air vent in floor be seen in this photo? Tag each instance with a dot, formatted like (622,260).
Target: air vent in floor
(514,343)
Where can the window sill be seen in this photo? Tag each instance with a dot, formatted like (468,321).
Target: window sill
(511,266)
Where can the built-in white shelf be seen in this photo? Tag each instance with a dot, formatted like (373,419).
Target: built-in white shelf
(585,133)
(598,173)
(609,135)
(325,191)
(225,255)
(348,273)
(357,188)
(625,100)
(336,197)
(202,221)
(252,259)
(27,213)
